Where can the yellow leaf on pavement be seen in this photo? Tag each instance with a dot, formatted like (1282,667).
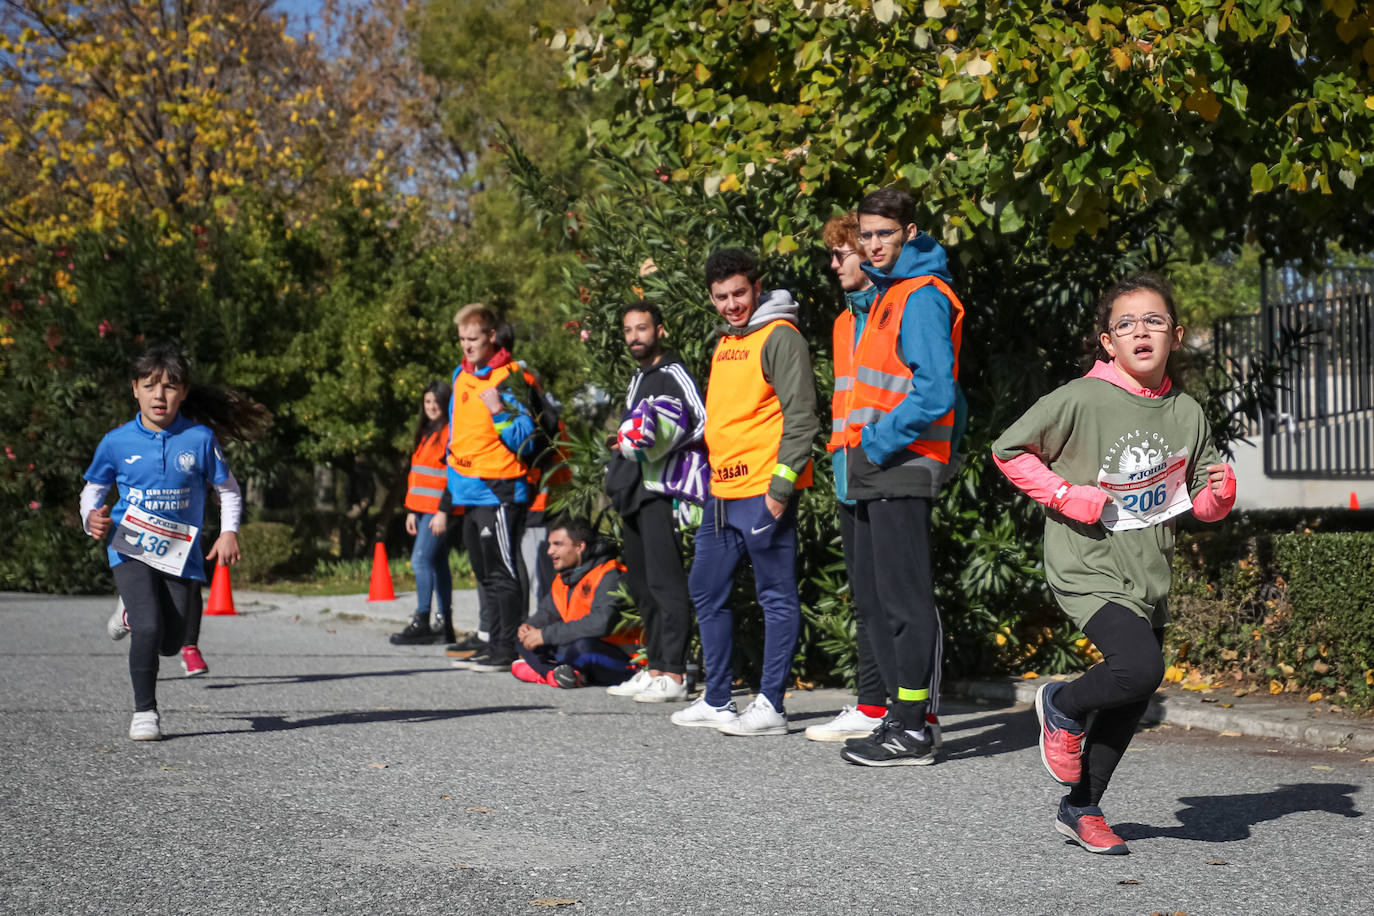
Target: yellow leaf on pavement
(1030,676)
(1313,697)
(1275,687)
(1173,674)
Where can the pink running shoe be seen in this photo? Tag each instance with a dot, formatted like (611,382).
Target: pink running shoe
(523,672)
(192,662)
(1061,738)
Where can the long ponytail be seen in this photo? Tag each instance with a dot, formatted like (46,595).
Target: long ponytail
(229,413)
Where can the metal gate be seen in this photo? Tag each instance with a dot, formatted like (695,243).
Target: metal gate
(1323,419)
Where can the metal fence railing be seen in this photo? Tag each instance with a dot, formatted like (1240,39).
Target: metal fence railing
(1322,424)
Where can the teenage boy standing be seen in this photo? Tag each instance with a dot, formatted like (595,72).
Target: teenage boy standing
(841,237)
(760,421)
(656,457)
(491,436)
(904,413)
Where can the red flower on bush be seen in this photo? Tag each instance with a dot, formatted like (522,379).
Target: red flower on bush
(105,328)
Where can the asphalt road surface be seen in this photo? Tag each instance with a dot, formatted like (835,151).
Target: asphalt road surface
(317,769)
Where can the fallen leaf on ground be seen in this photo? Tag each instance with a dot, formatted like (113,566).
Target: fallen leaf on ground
(446,797)
(1275,687)
(1173,674)
(193,706)
(1367,760)
(1216,862)
(1128,881)
(379,766)
(482,810)
(1029,676)
(1320,767)
(1208,699)
(1313,697)
(1226,705)
(1230,734)
(554,901)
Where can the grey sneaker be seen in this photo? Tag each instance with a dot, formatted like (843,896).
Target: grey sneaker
(118,625)
(146,726)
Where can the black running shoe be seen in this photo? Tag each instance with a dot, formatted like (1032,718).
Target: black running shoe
(466,647)
(417,633)
(490,661)
(567,677)
(890,745)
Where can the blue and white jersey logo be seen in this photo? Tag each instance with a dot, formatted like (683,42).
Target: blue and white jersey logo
(186,461)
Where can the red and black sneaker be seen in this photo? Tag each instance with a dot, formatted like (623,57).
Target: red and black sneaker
(192,662)
(1061,738)
(1087,827)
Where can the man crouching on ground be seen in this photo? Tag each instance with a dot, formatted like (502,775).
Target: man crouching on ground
(563,643)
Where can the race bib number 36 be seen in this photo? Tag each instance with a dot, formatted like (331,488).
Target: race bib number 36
(161,543)
(1150,496)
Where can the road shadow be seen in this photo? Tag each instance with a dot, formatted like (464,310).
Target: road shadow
(267,723)
(1228,818)
(998,733)
(262,680)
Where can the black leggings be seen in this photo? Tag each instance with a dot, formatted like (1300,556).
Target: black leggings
(1117,690)
(158,607)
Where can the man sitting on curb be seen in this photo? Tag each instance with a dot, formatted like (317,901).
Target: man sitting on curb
(563,643)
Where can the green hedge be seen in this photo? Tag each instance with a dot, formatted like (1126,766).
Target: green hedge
(1278,600)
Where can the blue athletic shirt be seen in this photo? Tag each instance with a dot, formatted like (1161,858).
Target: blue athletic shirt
(163,472)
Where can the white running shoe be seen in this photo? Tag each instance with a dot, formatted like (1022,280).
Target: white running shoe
(758,718)
(118,625)
(702,714)
(633,686)
(662,689)
(146,726)
(850,723)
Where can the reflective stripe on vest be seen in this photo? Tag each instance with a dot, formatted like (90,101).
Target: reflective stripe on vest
(842,355)
(882,380)
(576,603)
(744,419)
(428,478)
(477,449)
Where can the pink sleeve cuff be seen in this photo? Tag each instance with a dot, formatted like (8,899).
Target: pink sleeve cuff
(1030,475)
(1210,507)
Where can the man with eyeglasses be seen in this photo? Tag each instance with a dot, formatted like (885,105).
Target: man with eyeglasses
(902,420)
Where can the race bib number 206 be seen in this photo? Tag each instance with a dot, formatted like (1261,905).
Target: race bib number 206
(1150,496)
(159,542)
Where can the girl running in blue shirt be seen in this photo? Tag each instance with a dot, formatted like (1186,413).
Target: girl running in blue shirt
(161,461)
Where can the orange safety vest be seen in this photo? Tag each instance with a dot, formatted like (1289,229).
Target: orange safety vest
(428,477)
(476,449)
(882,379)
(744,418)
(562,473)
(842,356)
(576,603)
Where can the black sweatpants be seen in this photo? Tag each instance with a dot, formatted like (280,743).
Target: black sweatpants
(158,606)
(869,677)
(894,590)
(1115,693)
(658,583)
(492,535)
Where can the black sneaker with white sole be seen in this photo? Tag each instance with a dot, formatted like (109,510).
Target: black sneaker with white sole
(490,661)
(890,745)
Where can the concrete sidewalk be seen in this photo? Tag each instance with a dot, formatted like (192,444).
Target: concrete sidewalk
(1258,716)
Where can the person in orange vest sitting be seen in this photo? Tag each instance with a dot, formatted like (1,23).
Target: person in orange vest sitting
(903,416)
(491,438)
(425,488)
(563,643)
(760,422)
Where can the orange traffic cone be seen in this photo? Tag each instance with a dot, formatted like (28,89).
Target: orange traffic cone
(221,594)
(380,588)
(1354,503)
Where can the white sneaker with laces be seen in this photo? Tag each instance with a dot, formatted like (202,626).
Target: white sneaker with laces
(634,685)
(117,627)
(758,718)
(702,714)
(146,726)
(850,723)
(662,689)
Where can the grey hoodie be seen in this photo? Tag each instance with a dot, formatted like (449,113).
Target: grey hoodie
(787,367)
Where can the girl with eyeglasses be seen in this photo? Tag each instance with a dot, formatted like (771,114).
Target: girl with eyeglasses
(1114,457)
